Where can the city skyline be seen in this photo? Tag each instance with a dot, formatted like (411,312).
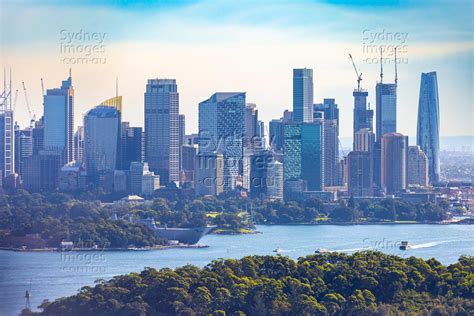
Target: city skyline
(214,68)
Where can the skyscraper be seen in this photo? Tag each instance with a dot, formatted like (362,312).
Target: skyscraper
(251,126)
(7,143)
(79,144)
(292,151)
(132,145)
(162,128)
(102,140)
(427,134)
(303,147)
(303,95)
(312,155)
(23,147)
(7,132)
(386,108)
(417,167)
(331,140)
(364,140)
(276,130)
(394,150)
(359,173)
(221,130)
(363,116)
(59,120)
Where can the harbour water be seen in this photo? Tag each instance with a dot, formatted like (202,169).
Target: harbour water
(53,274)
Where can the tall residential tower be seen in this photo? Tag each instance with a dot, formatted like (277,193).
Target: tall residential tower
(427,134)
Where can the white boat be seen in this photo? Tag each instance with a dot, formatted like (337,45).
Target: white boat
(322,250)
(278,250)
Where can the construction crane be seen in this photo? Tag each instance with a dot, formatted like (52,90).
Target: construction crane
(30,113)
(359,75)
(14,100)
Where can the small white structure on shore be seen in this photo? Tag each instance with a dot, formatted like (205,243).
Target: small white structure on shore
(67,245)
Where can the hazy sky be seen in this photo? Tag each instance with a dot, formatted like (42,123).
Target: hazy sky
(250,46)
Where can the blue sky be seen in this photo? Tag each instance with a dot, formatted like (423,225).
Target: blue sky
(250,46)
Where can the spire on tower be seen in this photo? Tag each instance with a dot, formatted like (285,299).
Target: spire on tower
(381,66)
(396,75)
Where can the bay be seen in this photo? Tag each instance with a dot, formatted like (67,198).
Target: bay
(55,274)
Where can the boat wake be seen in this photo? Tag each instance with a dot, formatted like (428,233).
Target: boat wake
(350,250)
(427,245)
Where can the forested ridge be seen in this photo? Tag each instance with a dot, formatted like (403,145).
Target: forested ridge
(365,283)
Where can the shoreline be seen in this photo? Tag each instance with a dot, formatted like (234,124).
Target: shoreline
(164,247)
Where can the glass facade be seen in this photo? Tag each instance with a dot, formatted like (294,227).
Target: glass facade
(222,129)
(427,136)
(386,109)
(312,158)
(102,138)
(303,95)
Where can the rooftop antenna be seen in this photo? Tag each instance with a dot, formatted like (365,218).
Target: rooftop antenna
(381,66)
(396,75)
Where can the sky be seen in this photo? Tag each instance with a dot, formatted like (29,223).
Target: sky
(249,46)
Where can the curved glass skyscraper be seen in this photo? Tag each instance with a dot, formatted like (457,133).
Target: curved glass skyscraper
(427,136)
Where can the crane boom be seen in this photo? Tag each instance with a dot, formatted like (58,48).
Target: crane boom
(359,75)
(14,100)
(30,113)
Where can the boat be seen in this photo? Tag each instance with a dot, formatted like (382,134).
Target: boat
(278,250)
(404,245)
(322,250)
